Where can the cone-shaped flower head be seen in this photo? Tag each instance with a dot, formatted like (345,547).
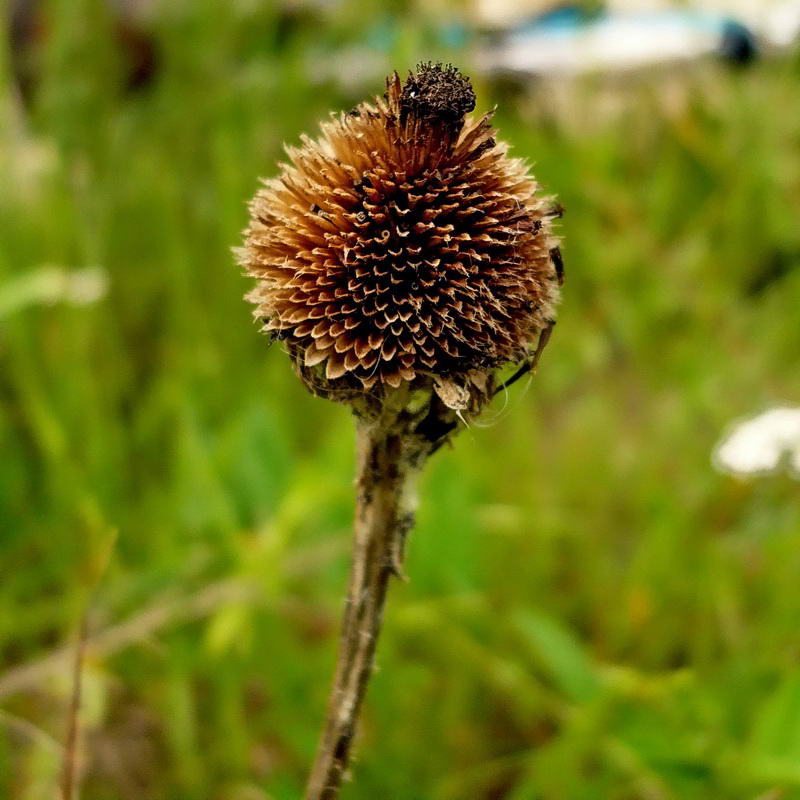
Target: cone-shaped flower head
(403,245)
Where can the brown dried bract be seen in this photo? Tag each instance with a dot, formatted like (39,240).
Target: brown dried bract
(403,245)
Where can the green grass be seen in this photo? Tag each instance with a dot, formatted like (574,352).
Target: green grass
(593,611)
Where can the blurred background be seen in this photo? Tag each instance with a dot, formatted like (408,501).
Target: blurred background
(594,610)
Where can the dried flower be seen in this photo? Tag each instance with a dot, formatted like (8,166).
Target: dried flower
(404,245)
(403,257)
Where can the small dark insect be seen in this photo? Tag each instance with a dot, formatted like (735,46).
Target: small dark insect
(353,112)
(558,263)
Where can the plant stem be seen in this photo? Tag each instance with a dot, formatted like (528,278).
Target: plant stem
(386,464)
(69,767)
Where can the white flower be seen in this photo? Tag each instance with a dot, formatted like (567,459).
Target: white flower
(762,444)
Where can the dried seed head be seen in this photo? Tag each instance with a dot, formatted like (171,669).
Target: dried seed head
(404,245)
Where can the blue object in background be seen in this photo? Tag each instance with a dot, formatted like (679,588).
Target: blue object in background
(739,45)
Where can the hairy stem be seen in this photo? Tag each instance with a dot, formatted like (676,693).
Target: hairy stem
(386,464)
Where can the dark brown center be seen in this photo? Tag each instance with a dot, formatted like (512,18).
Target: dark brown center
(437,95)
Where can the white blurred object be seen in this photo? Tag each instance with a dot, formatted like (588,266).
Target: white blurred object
(565,40)
(782,24)
(613,43)
(51,284)
(762,444)
(776,22)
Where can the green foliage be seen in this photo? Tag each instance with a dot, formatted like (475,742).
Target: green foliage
(592,612)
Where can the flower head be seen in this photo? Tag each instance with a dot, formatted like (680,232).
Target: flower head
(403,245)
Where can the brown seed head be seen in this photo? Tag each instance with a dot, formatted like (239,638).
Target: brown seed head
(404,245)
